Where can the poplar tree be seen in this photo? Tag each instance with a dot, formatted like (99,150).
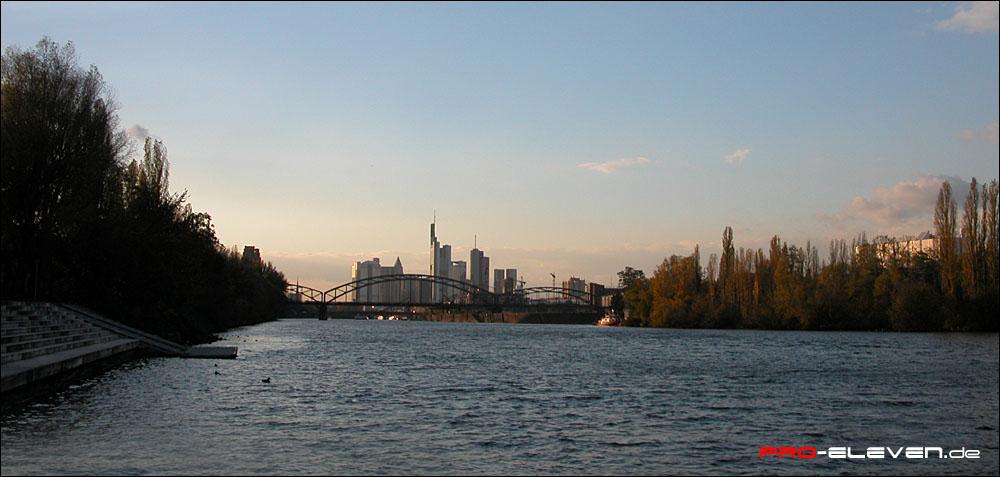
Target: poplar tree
(726,267)
(944,225)
(971,243)
(989,235)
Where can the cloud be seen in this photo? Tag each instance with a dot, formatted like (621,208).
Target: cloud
(973,17)
(137,132)
(988,134)
(610,166)
(905,208)
(737,156)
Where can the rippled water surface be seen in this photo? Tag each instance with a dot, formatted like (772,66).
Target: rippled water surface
(370,397)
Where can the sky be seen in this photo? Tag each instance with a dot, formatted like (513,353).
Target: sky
(560,138)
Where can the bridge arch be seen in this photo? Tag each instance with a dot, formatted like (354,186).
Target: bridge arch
(465,288)
(308,293)
(469,293)
(333,295)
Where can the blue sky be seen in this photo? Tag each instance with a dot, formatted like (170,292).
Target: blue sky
(569,138)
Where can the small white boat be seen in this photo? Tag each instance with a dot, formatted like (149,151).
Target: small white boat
(609,319)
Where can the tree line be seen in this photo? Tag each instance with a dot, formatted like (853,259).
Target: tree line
(88,220)
(879,284)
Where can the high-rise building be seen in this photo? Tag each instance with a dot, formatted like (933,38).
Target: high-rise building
(479,269)
(596,292)
(387,292)
(498,277)
(458,269)
(440,264)
(575,284)
(392,291)
(435,246)
(360,271)
(510,280)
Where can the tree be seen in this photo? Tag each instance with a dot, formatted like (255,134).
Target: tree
(636,294)
(59,160)
(629,276)
(972,246)
(944,224)
(990,235)
(675,285)
(80,227)
(727,265)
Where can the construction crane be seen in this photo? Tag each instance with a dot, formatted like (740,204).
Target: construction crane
(553,296)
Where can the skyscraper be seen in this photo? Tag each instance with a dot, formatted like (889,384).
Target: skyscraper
(479,269)
(510,281)
(390,291)
(440,264)
(362,270)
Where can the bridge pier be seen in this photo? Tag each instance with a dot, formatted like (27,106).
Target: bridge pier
(321,311)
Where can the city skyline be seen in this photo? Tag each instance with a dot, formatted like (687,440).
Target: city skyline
(574,139)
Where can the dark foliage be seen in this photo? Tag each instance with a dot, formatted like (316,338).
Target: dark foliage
(80,225)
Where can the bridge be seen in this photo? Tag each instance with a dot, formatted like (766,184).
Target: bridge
(414,290)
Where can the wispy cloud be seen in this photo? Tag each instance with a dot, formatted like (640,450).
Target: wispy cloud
(973,17)
(738,156)
(988,134)
(610,166)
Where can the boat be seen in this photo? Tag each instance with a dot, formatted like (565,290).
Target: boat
(609,319)
(359,316)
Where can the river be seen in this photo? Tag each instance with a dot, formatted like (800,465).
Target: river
(381,397)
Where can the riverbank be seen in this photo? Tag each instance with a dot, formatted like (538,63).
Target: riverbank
(510,317)
(48,346)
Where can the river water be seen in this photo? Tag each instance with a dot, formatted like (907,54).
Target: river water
(380,397)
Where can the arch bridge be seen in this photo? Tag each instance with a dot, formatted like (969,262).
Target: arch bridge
(411,289)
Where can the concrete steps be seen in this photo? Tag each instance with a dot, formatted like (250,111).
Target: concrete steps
(43,340)
(47,342)
(26,371)
(50,341)
(30,330)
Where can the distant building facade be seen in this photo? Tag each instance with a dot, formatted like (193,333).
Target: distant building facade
(251,255)
(498,276)
(596,292)
(575,284)
(479,269)
(440,266)
(509,281)
(389,292)
(926,243)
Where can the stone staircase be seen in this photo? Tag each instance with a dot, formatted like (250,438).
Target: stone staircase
(44,340)
(36,329)
(38,340)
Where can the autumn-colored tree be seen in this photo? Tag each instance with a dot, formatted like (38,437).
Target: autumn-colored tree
(675,285)
(972,245)
(944,224)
